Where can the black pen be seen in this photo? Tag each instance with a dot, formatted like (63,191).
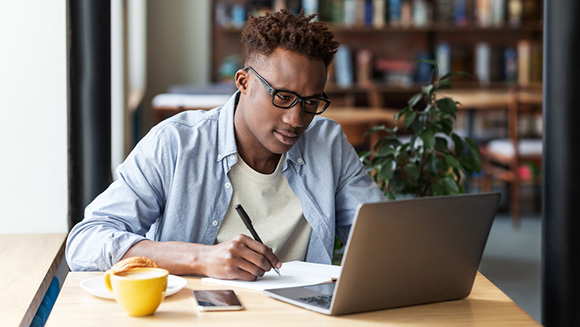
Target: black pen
(248,223)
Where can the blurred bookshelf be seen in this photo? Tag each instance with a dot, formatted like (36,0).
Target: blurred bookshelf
(499,42)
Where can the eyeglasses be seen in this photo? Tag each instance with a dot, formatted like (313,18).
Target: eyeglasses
(287,99)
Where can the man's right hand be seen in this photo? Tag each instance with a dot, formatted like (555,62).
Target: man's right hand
(238,258)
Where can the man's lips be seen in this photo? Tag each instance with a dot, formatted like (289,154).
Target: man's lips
(286,137)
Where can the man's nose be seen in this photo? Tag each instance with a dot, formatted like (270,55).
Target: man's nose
(294,116)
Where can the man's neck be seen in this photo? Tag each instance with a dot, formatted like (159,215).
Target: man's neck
(265,164)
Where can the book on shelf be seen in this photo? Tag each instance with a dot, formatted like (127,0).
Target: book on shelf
(482,66)
(368,10)
(536,56)
(310,6)
(379,12)
(349,12)
(343,67)
(293,274)
(498,12)
(510,64)
(294,6)
(524,62)
(444,12)
(360,13)
(364,70)
(443,58)
(238,15)
(423,70)
(222,17)
(395,71)
(421,12)
(515,13)
(460,12)
(483,13)
(278,5)
(406,13)
(394,11)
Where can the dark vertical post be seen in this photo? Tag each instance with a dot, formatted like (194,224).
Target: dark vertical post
(89,102)
(561,169)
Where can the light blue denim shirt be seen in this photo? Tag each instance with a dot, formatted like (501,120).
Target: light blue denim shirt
(174,187)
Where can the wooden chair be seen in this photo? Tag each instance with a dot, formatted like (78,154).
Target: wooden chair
(503,159)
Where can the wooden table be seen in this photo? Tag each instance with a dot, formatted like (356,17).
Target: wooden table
(486,306)
(29,262)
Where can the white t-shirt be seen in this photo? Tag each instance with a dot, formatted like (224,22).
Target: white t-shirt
(273,207)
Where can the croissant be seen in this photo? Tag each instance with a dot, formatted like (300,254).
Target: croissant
(134,262)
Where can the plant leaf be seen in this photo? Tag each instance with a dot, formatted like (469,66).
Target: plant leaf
(388,169)
(427,90)
(409,118)
(458,142)
(452,161)
(428,137)
(451,74)
(446,125)
(450,185)
(441,144)
(413,171)
(443,85)
(414,100)
(436,189)
(391,141)
(381,128)
(431,164)
(447,105)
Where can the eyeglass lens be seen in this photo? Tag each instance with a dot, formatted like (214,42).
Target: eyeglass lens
(286,100)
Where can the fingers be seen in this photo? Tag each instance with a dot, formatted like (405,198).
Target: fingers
(265,256)
(240,258)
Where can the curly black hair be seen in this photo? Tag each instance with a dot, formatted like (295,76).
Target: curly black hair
(262,35)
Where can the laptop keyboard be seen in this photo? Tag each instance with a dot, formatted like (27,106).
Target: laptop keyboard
(322,301)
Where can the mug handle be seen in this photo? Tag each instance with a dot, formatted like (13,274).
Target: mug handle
(108,274)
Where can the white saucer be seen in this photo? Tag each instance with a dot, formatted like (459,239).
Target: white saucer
(96,286)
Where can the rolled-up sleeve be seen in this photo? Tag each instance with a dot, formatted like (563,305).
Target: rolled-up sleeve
(122,215)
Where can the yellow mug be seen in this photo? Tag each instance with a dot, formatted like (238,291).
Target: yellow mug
(138,290)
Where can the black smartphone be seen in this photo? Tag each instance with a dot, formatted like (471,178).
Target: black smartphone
(217,300)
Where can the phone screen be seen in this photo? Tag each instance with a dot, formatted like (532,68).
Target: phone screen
(214,300)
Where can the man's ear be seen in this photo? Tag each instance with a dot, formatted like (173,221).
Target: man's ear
(241,79)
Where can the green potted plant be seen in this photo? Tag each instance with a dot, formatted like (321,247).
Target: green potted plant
(432,160)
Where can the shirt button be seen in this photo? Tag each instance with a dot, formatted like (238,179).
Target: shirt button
(215,223)
(232,157)
(228,185)
(220,157)
(299,160)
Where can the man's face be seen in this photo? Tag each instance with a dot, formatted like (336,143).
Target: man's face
(259,124)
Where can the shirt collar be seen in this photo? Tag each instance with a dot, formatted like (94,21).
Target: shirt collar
(226,136)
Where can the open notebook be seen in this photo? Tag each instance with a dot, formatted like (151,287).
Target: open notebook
(294,273)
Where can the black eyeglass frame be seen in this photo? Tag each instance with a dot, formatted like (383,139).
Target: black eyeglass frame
(272,91)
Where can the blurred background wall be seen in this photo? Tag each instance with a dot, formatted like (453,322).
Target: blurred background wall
(33,117)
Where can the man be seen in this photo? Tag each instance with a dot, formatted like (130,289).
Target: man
(266,148)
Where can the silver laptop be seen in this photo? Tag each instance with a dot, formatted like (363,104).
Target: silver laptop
(405,252)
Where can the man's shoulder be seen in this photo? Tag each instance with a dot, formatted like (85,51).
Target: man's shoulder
(324,130)
(188,124)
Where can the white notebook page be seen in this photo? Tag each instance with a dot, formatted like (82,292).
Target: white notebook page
(294,273)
